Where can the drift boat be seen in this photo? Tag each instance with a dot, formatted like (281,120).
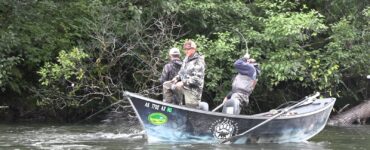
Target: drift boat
(165,122)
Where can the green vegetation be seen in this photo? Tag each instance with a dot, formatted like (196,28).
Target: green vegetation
(69,59)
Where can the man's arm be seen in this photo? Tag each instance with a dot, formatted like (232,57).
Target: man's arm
(244,68)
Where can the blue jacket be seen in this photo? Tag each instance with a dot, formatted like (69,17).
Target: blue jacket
(245,68)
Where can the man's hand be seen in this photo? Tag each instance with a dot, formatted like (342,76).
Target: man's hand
(247,56)
(179,84)
(251,60)
(174,80)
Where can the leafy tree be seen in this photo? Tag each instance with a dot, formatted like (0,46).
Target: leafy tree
(32,32)
(302,46)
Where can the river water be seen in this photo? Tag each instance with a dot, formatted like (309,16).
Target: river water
(102,136)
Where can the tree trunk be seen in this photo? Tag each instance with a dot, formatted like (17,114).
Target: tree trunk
(359,114)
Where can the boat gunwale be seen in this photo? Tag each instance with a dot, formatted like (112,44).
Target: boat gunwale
(227,115)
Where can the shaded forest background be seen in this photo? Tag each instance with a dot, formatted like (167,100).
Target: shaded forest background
(66,60)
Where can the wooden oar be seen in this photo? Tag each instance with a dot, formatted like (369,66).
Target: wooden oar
(234,138)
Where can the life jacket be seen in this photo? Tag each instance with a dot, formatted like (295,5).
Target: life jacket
(243,84)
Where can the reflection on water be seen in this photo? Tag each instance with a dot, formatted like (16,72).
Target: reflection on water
(345,138)
(64,136)
(43,136)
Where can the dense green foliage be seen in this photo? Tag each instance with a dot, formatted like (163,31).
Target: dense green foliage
(69,59)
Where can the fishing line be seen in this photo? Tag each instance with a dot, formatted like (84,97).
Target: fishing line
(150,89)
(113,104)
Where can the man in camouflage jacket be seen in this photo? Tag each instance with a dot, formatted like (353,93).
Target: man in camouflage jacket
(190,79)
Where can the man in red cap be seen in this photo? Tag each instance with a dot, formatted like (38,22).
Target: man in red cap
(190,78)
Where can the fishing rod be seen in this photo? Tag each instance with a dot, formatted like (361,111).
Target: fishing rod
(245,41)
(150,89)
(119,101)
(247,52)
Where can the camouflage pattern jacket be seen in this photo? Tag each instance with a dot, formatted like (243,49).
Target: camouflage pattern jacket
(192,74)
(170,70)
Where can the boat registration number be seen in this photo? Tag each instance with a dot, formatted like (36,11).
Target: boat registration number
(159,107)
